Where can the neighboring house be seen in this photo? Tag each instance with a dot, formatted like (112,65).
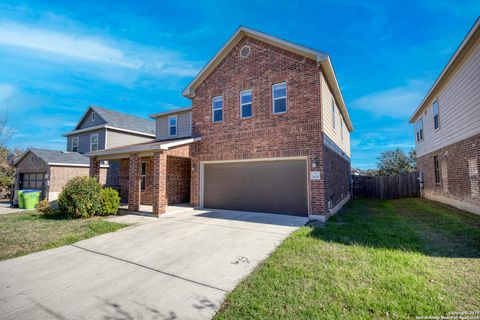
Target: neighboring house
(49,170)
(268,131)
(447,130)
(98,128)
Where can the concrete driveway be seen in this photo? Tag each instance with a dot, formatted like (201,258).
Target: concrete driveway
(175,267)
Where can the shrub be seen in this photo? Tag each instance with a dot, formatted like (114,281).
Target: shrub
(110,202)
(81,197)
(44,207)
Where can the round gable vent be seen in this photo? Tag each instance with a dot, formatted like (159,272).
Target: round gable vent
(245,51)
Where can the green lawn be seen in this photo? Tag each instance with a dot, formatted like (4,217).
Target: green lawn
(23,233)
(376,259)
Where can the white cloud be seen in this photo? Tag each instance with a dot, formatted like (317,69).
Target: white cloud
(398,102)
(6,91)
(95,50)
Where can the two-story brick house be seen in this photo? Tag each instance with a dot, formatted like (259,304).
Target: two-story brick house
(447,130)
(268,131)
(97,129)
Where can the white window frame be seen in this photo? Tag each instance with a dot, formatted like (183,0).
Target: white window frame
(93,116)
(278,98)
(419,132)
(246,103)
(438,114)
(213,108)
(75,143)
(170,126)
(341,128)
(334,125)
(91,141)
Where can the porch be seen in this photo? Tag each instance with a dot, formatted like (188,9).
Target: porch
(154,178)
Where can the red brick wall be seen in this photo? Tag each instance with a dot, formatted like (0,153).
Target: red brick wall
(178,180)
(295,133)
(459,171)
(59,176)
(337,177)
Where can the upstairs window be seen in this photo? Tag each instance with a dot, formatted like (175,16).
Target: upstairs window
(75,144)
(94,142)
(217,109)
(172,126)
(333,114)
(436,117)
(143,176)
(279,94)
(436,167)
(246,104)
(341,128)
(419,129)
(93,116)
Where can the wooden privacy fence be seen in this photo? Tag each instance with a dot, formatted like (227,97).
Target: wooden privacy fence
(387,187)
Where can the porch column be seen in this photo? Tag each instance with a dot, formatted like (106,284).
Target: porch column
(94,171)
(134,183)
(159,183)
(195,183)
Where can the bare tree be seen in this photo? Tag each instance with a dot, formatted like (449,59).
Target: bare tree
(6,132)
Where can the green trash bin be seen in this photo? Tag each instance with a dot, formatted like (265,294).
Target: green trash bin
(31,199)
(21,203)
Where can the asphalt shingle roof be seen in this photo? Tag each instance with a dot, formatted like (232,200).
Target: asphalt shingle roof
(125,121)
(55,156)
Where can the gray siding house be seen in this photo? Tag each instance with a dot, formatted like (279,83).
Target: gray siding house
(100,128)
(97,129)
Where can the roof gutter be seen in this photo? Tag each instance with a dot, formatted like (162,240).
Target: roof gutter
(106,126)
(142,148)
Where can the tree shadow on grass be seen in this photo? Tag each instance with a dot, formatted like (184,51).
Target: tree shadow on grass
(410,224)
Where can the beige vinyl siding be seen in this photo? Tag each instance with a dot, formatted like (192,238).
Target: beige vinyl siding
(333,134)
(118,139)
(459,107)
(184,126)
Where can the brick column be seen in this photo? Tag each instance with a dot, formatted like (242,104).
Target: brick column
(134,183)
(316,192)
(94,171)
(195,183)
(159,183)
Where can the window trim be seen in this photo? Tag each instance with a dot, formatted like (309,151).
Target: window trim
(213,109)
(170,126)
(243,104)
(438,114)
(73,143)
(334,115)
(419,133)
(143,176)
(93,115)
(283,97)
(341,128)
(436,170)
(91,138)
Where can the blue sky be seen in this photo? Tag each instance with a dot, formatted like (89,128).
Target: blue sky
(58,57)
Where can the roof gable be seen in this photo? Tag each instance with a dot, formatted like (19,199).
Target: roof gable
(114,120)
(55,157)
(321,58)
(87,122)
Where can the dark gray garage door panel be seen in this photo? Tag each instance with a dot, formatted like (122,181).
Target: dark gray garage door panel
(259,186)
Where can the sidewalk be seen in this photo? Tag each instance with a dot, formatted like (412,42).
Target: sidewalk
(5,208)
